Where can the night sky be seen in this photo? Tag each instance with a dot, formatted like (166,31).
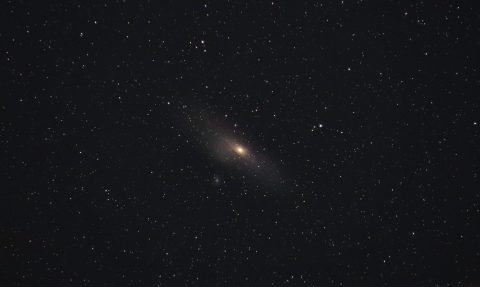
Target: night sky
(239,143)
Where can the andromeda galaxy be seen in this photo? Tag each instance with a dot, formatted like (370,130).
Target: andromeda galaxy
(230,147)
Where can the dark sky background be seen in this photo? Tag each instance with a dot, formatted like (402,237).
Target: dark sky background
(367,113)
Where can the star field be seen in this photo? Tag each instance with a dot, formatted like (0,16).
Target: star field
(239,143)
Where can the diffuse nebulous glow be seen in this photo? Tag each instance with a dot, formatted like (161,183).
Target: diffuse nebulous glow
(227,147)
